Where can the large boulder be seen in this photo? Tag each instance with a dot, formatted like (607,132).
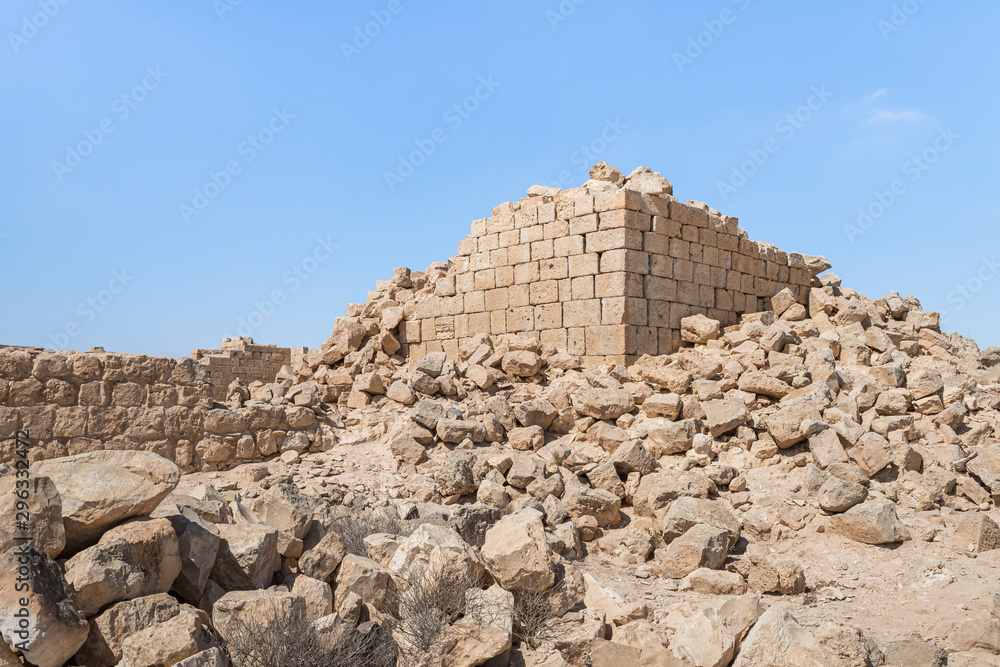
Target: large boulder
(103,574)
(778,639)
(435,549)
(115,624)
(240,609)
(686,512)
(517,554)
(872,522)
(45,529)
(284,507)
(155,549)
(198,545)
(322,560)
(360,580)
(169,642)
(724,415)
(703,545)
(704,640)
(579,501)
(103,488)
(58,627)
(247,557)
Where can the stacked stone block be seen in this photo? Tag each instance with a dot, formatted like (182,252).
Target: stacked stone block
(607,275)
(241,359)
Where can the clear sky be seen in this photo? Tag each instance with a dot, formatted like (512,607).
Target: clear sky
(178,172)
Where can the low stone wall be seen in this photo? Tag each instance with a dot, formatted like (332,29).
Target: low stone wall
(73,402)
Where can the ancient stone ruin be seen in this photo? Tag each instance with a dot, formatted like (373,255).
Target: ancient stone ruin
(606,273)
(611,432)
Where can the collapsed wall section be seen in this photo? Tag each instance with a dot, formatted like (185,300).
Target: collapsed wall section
(241,359)
(603,272)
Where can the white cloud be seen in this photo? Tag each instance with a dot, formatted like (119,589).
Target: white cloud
(882,116)
(874,96)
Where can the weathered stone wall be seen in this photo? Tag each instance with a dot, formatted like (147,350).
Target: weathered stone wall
(604,273)
(241,358)
(73,402)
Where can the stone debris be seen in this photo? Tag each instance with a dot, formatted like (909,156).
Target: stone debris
(619,427)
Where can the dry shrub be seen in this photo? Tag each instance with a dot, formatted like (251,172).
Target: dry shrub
(271,639)
(420,609)
(535,619)
(354,526)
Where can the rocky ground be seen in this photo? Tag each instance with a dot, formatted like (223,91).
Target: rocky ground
(817,485)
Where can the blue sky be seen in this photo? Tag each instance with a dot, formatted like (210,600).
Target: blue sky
(180,172)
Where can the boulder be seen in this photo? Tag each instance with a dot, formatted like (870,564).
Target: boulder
(978,634)
(247,557)
(407,449)
(663,405)
(704,640)
(359,579)
(103,574)
(702,545)
(603,505)
(58,627)
(255,607)
(686,512)
(667,437)
(317,594)
(977,532)
(516,553)
(915,652)
(321,561)
(102,488)
(632,456)
(122,620)
(521,363)
(45,528)
(778,639)
(602,403)
(699,329)
(455,478)
(155,549)
(284,507)
(724,415)
(785,425)
(872,522)
(439,548)
(169,642)
(197,545)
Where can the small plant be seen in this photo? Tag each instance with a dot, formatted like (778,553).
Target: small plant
(558,458)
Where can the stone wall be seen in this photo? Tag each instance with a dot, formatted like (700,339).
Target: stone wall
(241,358)
(604,272)
(73,402)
